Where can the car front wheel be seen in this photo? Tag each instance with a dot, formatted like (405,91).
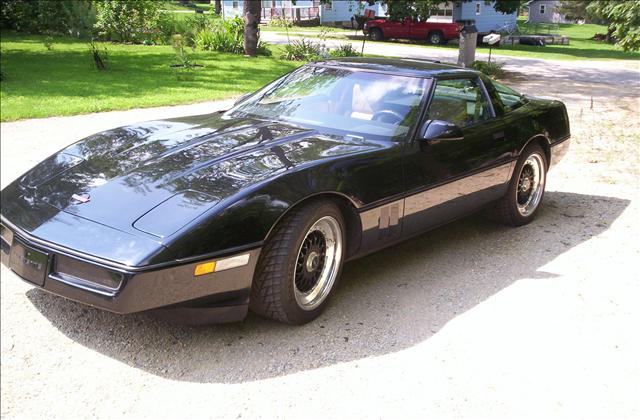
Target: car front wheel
(526,189)
(300,264)
(376,34)
(435,38)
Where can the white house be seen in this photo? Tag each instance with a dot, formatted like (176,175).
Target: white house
(301,10)
(545,11)
(340,12)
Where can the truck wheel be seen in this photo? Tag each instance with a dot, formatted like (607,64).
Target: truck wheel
(526,189)
(376,34)
(300,264)
(435,38)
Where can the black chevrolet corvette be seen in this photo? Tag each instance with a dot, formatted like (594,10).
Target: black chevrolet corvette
(259,206)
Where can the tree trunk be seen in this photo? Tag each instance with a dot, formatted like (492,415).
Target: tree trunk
(467,50)
(218,7)
(610,31)
(251,12)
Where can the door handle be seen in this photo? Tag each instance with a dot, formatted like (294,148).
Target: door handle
(499,135)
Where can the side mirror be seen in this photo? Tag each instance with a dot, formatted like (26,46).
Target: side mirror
(242,98)
(437,130)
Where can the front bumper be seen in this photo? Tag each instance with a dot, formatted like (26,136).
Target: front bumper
(169,290)
(559,150)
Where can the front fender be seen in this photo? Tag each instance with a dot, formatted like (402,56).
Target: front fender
(246,219)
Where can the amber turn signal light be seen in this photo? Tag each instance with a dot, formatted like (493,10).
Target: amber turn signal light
(205,268)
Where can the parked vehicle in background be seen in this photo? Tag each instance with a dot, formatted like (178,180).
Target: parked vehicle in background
(432,32)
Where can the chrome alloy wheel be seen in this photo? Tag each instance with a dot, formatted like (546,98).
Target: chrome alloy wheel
(317,263)
(530,185)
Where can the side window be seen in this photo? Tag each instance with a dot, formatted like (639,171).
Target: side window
(510,98)
(460,101)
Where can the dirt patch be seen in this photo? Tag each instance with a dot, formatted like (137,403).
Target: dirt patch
(605,128)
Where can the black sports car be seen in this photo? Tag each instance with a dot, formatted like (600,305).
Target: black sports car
(258,207)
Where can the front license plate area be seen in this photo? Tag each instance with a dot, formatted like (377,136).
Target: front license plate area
(28,263)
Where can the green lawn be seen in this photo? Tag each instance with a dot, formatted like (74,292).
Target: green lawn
(177,6)
(42,83)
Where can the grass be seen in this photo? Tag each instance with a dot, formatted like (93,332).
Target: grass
(174,6)
(42,83)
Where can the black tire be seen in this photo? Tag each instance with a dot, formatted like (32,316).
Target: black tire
(507,210)
(275,288)
(376,34)
(435,38)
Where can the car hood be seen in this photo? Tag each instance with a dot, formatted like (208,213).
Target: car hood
(155,177)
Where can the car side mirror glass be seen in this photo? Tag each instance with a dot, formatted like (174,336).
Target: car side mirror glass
(438,130)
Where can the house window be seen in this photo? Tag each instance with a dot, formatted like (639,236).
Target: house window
(328,6)
(442,10)
(543,8)
(478,8)
(234,5)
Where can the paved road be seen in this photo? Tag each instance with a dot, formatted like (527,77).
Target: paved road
(470,320)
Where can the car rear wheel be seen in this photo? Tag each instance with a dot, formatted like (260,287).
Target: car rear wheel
(526,189)
(300,264)
(376,34)
(435,38)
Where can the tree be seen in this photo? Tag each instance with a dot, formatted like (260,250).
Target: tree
(67,17)
(624,20)
(251,13)
(218,7)
(574,9)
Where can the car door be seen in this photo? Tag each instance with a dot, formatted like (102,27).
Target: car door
(446,179)
(419,29)
(397,29)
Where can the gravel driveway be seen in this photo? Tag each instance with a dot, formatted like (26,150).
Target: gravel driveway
(470,320)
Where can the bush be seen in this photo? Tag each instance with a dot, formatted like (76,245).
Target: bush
(184,67)
(263,48)
(280,22)
(168,26)
(127,20)
(224,35)
(65,17)
(492,69)
(302,50)
(344,50)
(48,43)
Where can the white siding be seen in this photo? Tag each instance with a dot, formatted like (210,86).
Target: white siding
(342,11)
(550,14)
(488,19)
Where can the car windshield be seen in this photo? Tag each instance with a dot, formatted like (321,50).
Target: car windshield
(360,102)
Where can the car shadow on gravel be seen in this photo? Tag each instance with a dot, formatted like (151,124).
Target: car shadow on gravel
(386,302)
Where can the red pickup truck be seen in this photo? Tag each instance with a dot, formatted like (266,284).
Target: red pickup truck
(432,32)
